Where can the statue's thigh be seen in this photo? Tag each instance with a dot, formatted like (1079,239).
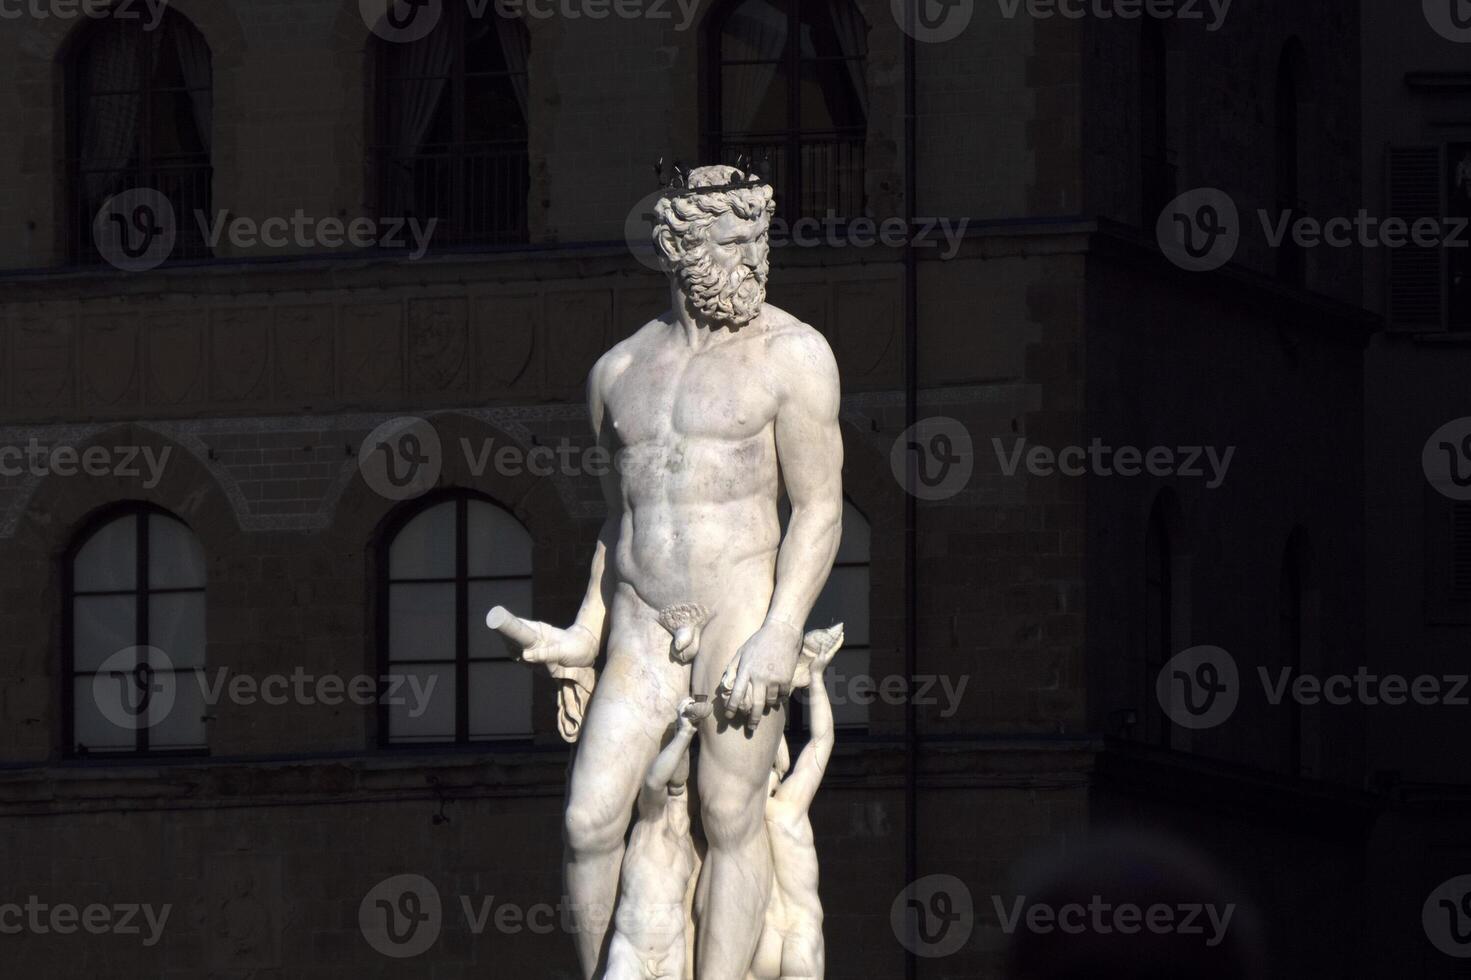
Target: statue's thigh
(632,712)
(733,761)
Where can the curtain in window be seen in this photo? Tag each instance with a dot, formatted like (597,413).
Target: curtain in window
(848,26)
(112,79)
(426,67)
(516,48)
(194,62)
(756,31)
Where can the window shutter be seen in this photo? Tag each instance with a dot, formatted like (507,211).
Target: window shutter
(1414,289)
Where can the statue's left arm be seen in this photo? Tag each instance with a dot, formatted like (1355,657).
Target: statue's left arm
(809,448)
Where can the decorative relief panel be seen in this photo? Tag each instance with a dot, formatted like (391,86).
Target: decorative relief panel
(110,360)
(438,345)
(505,330)
(43,363)
(304,349)
(240,351)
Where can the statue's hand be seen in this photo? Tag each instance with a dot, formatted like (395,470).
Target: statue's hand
(543,644)
(692,711)
(760,676)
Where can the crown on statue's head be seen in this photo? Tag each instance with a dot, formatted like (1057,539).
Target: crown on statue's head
(738,177)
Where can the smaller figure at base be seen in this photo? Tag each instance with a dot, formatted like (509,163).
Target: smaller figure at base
(649,925)
(791,946)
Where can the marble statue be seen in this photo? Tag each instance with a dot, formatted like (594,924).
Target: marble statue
(711,411)
(791,940)
(649,924)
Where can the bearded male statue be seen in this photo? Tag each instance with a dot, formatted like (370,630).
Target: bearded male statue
(712,410)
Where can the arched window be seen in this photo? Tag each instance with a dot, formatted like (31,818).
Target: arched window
(449,678)
(845,600)
(1156,156)
(135,584)
(140,116)
(1291,82)
(788,86)
(452,127)
(1159,614)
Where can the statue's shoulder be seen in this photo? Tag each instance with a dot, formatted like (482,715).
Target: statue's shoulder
(799,344)
(623,353)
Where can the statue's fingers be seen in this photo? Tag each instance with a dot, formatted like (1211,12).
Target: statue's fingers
(732,671)
(748,694)
(735,693)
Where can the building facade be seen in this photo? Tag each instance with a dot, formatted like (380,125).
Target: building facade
(240,368)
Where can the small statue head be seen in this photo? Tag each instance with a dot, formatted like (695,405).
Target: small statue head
(710,232)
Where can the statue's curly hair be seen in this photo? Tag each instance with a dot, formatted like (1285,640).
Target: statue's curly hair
(688,216)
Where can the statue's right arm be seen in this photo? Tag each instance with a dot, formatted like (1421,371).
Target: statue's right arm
(593,614)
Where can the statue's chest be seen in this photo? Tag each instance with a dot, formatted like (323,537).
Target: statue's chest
(716,395)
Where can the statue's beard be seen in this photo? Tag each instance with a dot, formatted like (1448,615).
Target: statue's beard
(728,299)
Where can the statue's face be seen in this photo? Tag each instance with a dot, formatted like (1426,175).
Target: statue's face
(724,276)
